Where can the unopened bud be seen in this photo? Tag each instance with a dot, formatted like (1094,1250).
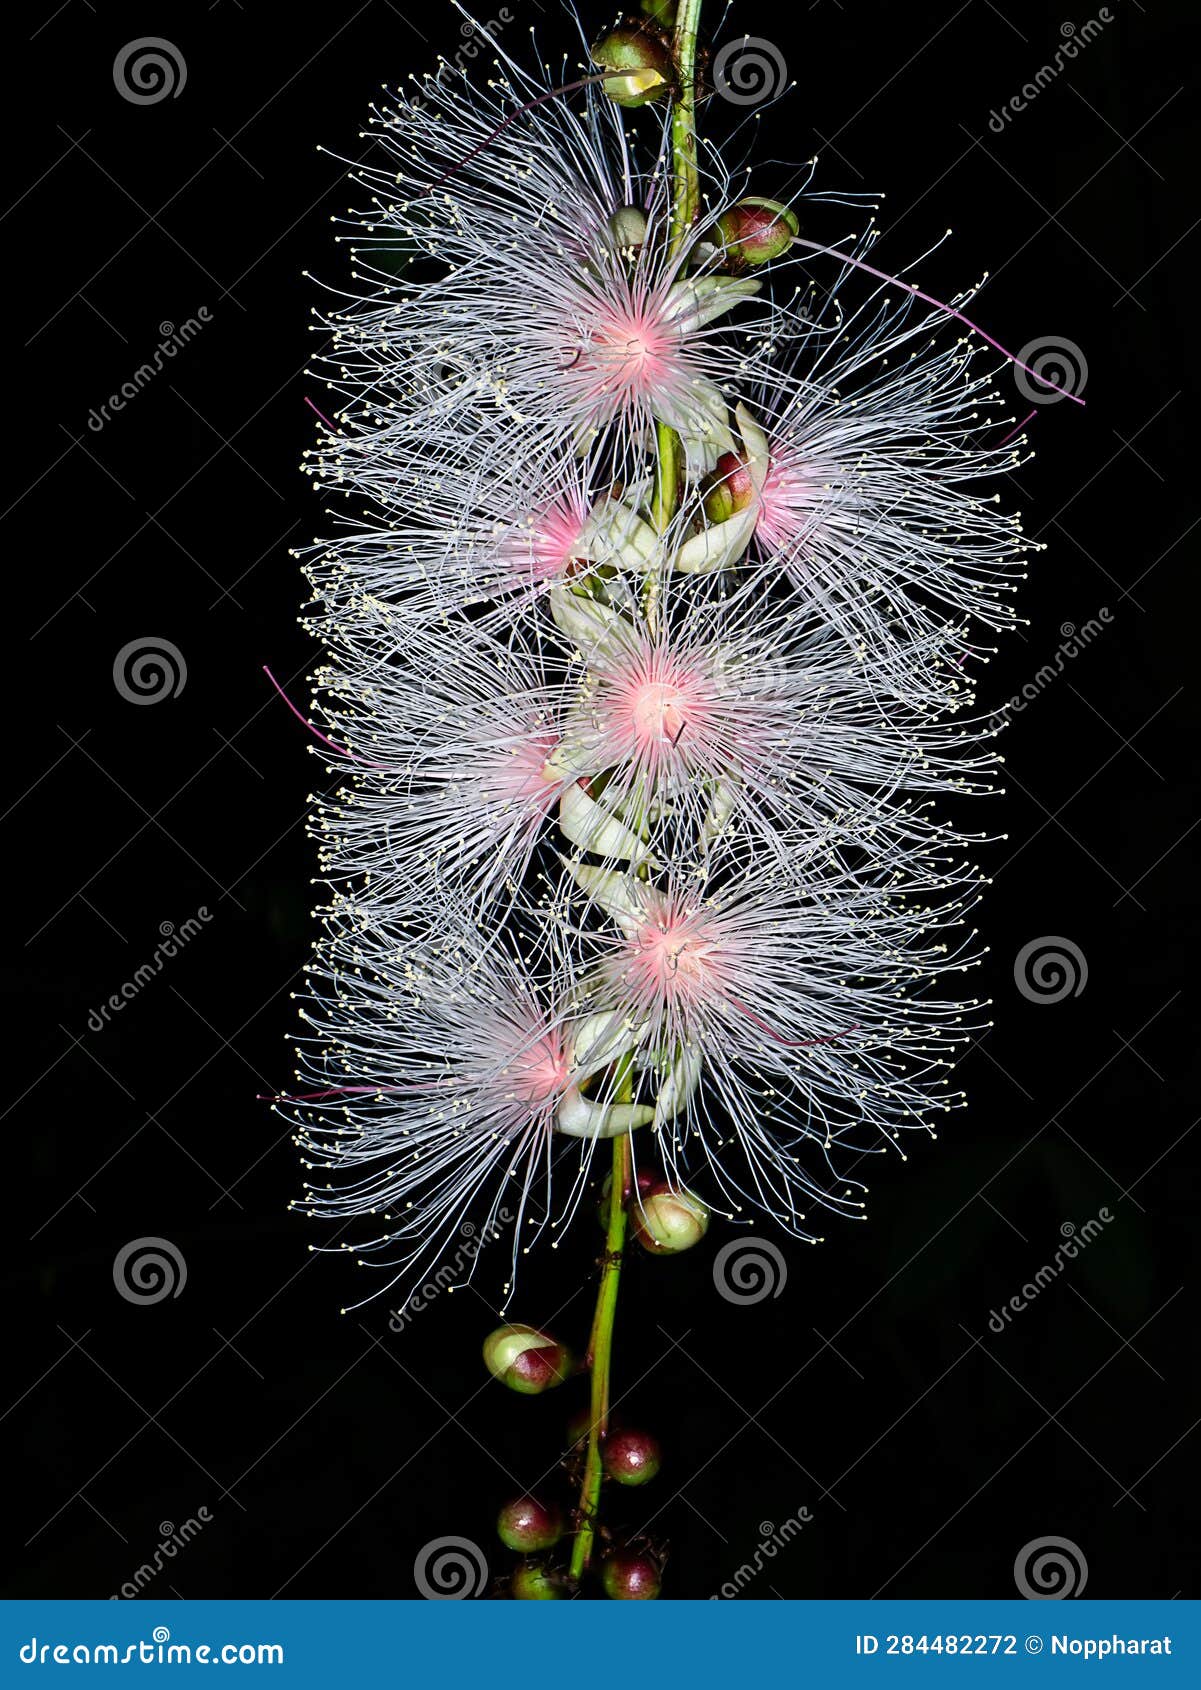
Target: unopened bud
(630,1457)
(527,1525)
(647,1182)
(627,226)
(525,1359)
(631,1577)
(640,51)
(755,231)
(662,11)
(729,489)
(536,1582)
(669,1221)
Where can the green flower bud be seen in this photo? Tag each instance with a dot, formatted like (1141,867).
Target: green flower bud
(631,1577)
(525,1359)
(525,1524)
(536,1582)
(627,227)
(669,1221)
(640,50)
(631,1457)
(755,231)
(662,11)
(729,489)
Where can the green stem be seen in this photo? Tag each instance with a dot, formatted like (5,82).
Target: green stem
(600,1355)
(684,205)
(685,201)
(684,179)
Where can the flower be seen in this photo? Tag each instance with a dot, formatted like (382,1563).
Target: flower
(647,614)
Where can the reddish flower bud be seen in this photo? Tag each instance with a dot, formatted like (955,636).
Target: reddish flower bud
(631,1577)
(755,231)
(639,50)
(631,1457)
(669,1221)
(525,1524)
(729,489)
(647,1182)
(525,1359)
(536,1582)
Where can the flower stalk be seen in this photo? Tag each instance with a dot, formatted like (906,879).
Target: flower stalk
(600,1356)
(685,199)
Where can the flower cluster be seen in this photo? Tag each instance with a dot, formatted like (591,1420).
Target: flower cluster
(661,566)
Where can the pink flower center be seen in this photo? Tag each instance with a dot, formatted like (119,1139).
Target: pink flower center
(629,354)
(514,774)
(655,706)
(788,500)
(673,958)
(540,1073)
(659,711)
(538,550)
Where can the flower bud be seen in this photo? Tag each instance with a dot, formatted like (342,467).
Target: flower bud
(627,226)
(631,1577)
(525,1524)
(729,489)
(669,1221)
(525,1359)
(536,1582)
(631,1457)
(647,1183)
(640,50)
(662,11)
(755,231)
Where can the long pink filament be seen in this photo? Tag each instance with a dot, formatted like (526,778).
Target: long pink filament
(939,305)
(316,732)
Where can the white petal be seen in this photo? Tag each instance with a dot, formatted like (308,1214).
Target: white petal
(589,825)
(580,1118)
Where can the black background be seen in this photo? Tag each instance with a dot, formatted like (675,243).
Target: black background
(928,1449)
